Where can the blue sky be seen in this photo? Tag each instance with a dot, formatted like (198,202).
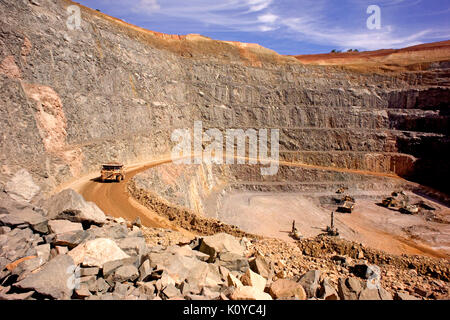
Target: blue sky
(291,26)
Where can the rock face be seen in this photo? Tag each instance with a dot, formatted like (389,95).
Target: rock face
(325,113)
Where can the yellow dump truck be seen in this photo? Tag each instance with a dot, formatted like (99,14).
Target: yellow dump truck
(112,172)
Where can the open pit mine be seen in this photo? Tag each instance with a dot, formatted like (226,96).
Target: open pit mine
(357,207)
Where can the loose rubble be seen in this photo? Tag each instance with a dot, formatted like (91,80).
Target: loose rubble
(68,249)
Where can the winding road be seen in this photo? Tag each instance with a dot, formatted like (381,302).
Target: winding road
(114,199)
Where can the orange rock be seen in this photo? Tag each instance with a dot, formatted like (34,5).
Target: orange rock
(14,264)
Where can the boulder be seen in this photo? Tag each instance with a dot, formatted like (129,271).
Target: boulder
(220,243)
(401,295)
(187,251)
(70,239)
(233,281)
(133,246)
(110,266)
(285,288)
(89,271)
(249,293)
(145,271)
(180,267)
(97,252)
(250,278)
(25,216)
(43,252)
(16,296)
(310,282)
(171,292)
(63,226)
(21,187)
(366,271)
(126,273)
(349,289)
(369,294)
(327,291)
(70,205)
(108,231)
(260,266)
(61,250)
(232,262)
(52,279)
(26,267)
(384,294)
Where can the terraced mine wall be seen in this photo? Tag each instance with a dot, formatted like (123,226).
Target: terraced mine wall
(72,99)
(200,188)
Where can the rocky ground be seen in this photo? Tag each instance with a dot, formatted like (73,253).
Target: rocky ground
(67,248)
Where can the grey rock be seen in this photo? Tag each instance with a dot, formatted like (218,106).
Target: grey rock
(16,296)
(43,252)
(384,294)
(121,289)
(82,292)
(187,252)
(111,266)
(71,206)
(260,266)
(220,243)
(180,267)
(327,291)
(97,252)
(366,271)
(126,273)
(24,268)
(147,288)
(133,246)
(108,231)
(21,187)
(171,292)
(310,282)
(70,239)
(101,285)
(369,294)
(25,217)
(400,295)
(145,271)
(233,262)
(349,289)
(64,226)
(89,271)
(52,279)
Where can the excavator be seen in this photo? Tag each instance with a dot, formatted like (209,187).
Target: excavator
(400,201)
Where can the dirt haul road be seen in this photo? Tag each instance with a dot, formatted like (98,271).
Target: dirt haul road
(114,199)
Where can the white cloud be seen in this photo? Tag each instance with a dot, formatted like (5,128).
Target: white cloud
(310,21)
(258,5)
(267,18)
(147,6)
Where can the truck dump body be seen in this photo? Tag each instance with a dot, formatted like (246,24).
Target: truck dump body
(112,172)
